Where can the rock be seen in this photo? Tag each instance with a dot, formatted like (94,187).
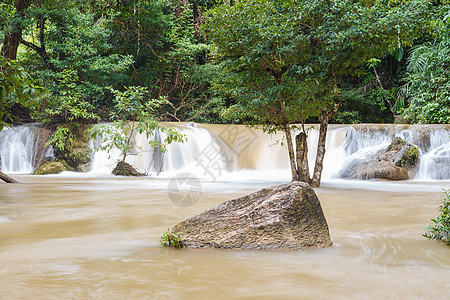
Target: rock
(52,167)
(84,167)
(125,169)
(399,161)
(285,216)
(44,153)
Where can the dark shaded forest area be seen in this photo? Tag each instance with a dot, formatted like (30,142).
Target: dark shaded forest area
(71,55)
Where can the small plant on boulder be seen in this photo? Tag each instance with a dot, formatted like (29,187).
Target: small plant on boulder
(441,228)
(169,239)
(409,157)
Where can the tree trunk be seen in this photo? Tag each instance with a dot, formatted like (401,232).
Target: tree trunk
(11,43)
(12,39)
(325,117)
(318,167)
(287,132)
(42,51)
(290,146)
(391,108)
(6,178)
(302,157)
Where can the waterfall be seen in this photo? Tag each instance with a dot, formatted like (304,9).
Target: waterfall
(212,151)
(364,141)
(435,164)
(18,148)
(178,157)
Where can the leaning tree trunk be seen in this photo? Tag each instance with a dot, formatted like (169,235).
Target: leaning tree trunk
(6,178)
(325,117)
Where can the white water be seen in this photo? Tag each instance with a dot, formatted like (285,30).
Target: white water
(234,151)
(17,149)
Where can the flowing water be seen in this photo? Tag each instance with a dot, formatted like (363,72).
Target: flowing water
(96,236)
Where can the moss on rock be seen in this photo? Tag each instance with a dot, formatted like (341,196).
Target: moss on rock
(50,167)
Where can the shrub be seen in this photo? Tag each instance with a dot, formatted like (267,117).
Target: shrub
(440,230)
(169,239)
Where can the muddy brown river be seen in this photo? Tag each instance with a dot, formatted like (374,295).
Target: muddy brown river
(97,237)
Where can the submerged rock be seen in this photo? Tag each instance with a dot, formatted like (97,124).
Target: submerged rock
(50,167)
(125,169)
(285,216)
(399,161)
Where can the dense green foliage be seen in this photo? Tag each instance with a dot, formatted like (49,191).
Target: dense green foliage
(304,48)
(16,86)
(78,49)
(428,78)
(70,142)
(441,228)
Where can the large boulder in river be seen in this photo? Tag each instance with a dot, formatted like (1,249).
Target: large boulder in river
(285,216)
(399,161)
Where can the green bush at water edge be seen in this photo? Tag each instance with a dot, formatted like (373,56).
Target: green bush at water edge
(441,228)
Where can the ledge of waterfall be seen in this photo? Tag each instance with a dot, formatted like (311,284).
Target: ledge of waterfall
(285,216)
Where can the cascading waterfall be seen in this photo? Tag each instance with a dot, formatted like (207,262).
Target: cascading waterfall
(435,163)
(178,157)
(18,148)
(364,141)
(214,150)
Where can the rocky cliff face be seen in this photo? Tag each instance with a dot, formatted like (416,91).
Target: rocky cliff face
(286,216)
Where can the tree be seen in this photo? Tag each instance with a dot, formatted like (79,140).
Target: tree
(103,43)
(67,43)
(169,54)
(284,60)
(133,115)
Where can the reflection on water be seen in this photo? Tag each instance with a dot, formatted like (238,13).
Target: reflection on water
(98,238)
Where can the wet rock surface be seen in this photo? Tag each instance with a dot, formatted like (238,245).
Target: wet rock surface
(125,169)
(399,161)
(285,216)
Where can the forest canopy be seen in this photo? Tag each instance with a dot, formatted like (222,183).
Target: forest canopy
(80,50)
